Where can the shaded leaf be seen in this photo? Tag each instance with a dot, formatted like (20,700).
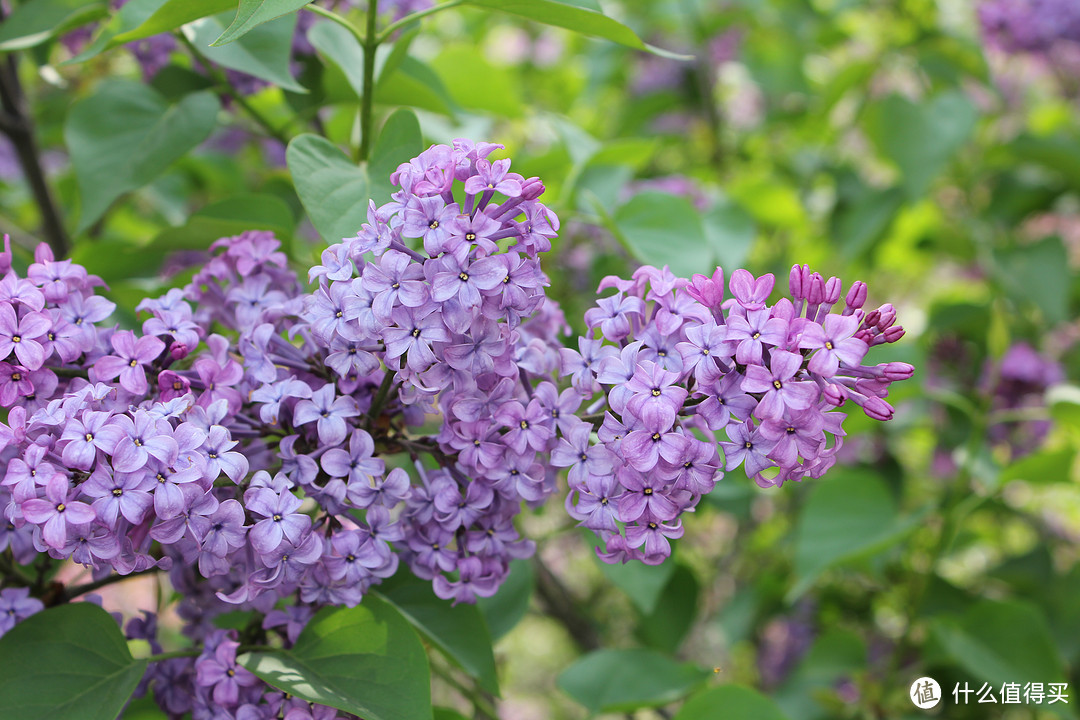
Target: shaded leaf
(576,17)
(848,516)
(133,14)
(264,52)
(399,141)
(171,15)
(664,229)
(921,138)
(666,626)
(459,631)
(1038,273)
(365,660)
(730,231)
(128,133)
(625,680)
(504,610)
(67,663)
(34,22)
(859,224)
(642,583)
(343,49)
(730,702)
(333,190)
(252,13)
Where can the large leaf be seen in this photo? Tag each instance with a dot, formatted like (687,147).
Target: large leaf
(730,231)
(34,22)
(459,631)
(642,583)
(399,141)
(171,15)
(730,702)
(1038,273)
(411,82)
(848,516)
(1000,642)
(666,626)
(67,663)
(664,229)
(343,49)
(264,52)
(857,225)
(252,13)
(921,139)
(125,135)
(504,610)
(365,660)
(132,15)
(625,680)
(573,16)
(332,188)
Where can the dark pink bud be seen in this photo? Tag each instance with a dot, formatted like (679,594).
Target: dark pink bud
(832,290)
(887,316)
(871,318)
(894,371)
(798,281)
(531,189)
(856,296)
(834,394)
(894,333)
(815,294)
(877,409)
(178,351)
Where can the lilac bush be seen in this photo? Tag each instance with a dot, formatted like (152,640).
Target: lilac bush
(280,449)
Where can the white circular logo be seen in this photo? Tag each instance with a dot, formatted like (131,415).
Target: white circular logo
(925,693)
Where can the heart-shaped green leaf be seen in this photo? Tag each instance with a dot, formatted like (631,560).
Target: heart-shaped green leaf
(126,134)
(265,51)
(67,663)
(625,680)
(332,188)
(365,660)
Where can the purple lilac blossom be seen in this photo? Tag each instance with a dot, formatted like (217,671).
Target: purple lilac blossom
(673,361)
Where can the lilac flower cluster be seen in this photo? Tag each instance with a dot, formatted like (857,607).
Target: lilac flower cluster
(268,459)
(1029,26)
(673,362)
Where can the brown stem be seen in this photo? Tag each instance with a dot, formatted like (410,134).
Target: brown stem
(15,122)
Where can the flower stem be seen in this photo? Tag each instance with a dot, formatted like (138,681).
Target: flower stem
(371,44)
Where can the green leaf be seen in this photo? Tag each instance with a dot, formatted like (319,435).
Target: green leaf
(730,702)
(836,654)
(253,13)
(666,626)
(1043,467)
(264,52)
(365,660)
(416,84)
(499,93)
(642,583)
(859,224)
(848,516)
(1059,153)
(1038,273)
(458,631)
(343,49)
(171,15)
(133,14)
(333,190)
(399,141)
(730,231)
(34,22)
(504,610)
(662,229)
(443,713)
(1064,402)
(625,680)
(574,17)
(921,139)
(125,135)
(1001,642)
(67,663)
